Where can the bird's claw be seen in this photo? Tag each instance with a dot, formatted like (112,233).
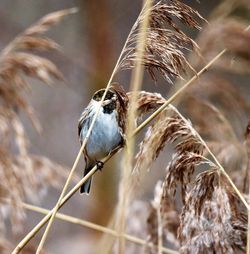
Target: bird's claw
(99,165)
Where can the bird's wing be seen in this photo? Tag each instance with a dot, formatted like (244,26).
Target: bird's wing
(122,105)
(84,117)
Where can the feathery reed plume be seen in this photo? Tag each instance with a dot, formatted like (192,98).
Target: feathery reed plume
(23,174)
(169,219)
(228,113)
(136,224)
(165,40)
(156,218)
(211,220)
(147,102)
(168,127)
(210,186)
(215,85)
(230,34)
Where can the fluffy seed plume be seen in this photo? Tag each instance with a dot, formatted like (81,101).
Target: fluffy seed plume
(147,102)
(169,218)
(168,127)
(165,41)
(211,221)
(24,175)
(230,34)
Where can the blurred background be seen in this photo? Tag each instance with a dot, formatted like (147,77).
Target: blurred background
(91,41)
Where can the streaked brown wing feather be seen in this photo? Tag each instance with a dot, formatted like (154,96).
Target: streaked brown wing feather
(122,106)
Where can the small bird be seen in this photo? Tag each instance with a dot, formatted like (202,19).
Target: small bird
(108,131)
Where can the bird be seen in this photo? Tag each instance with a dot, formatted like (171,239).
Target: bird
(108,132)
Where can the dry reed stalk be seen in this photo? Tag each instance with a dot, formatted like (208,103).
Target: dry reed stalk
(156,204)
(135,85)
(91,225)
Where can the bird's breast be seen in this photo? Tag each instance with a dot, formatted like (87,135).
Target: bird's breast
(104,137)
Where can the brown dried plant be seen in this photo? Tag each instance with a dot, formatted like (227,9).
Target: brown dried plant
(169,219)
(173,127)
(24,175)
(212,219)
(169,127)
(165,41)
(230,34)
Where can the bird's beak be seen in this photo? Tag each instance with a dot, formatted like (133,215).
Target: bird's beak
(106,102)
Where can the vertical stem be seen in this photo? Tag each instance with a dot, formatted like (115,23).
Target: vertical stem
(159,219)
(135,85)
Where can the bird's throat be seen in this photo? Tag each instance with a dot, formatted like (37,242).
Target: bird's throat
(108,109)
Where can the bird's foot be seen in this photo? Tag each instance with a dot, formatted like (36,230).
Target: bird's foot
(99,165)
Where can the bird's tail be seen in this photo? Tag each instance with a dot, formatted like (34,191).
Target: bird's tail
(85,188)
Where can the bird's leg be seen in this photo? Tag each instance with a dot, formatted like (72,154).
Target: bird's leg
(99,165)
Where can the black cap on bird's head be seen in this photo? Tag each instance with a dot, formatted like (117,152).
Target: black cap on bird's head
(116,97)
(98,95)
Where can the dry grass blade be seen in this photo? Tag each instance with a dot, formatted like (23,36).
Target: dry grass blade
(165,41)
(211,220)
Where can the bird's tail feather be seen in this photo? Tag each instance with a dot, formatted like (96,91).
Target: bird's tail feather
(85,188)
